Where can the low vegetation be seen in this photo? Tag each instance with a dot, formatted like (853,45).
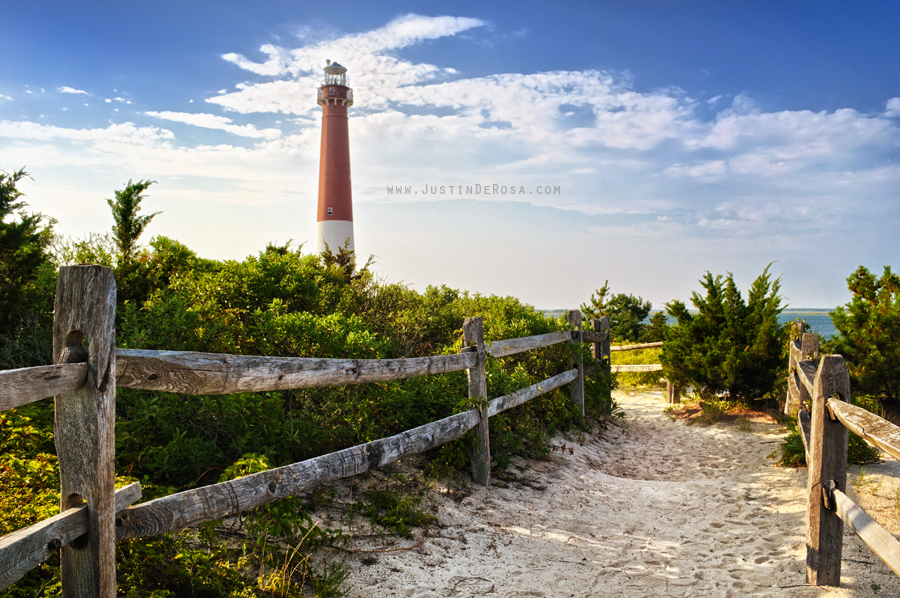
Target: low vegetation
(280,302)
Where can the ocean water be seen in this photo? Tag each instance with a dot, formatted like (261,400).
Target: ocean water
(818,319)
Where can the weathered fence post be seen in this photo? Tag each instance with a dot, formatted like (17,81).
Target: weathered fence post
(809,346)
(605,344)
(673,393)
(473,333)
(601,350)
(597,348)
(806,347)
(827,462)
(577,385)
(84,426)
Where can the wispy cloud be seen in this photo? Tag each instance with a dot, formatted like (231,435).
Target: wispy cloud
(893,108)
(212,121)
(65,89)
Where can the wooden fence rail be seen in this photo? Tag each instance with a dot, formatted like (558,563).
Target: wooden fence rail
(673,393)
(820,396)
(93,515)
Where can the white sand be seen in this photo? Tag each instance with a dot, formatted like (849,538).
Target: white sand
(648,507)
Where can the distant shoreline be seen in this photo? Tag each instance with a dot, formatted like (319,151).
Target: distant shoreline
(817,318)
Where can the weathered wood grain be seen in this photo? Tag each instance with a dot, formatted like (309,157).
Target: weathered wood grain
(673,393)
(25,549)
(602,353)
(805,424)
(792,398)
(873,429)
(594,336)
(636,347)
(528,393)
(177,511)
(806,379)
(809,346)
(576,388)
(606,342)
(876,537)
(217,373)
(638,367)
(800,381)
(473,334)
(84,426)
(795,356)
(511,346)
(792,402)
(827,460)
(27,385)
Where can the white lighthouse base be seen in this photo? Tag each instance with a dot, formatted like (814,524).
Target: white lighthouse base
(335,233)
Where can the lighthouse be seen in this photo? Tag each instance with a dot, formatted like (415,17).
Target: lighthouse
(335,218)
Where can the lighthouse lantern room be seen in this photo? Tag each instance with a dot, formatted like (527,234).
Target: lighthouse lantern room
(334,228)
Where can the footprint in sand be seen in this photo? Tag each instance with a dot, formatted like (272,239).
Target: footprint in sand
(468,586)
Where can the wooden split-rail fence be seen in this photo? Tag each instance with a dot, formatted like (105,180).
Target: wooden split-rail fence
(819,395)
(94,516)
(673,393)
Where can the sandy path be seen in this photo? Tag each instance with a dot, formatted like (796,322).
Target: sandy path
(650,507)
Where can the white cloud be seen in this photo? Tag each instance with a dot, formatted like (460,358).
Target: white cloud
(893,107)
(211,121)
(650,164)
(706,171)
(71,90)
(5,98)
(126,132)
(108,101)
(399,33)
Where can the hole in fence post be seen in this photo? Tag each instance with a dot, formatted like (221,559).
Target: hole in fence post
(72,501)
(828,489)
(75,350)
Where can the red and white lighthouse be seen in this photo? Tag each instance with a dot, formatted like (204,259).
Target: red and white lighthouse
(335,218)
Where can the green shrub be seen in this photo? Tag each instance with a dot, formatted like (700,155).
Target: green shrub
(730,346)
(869,334)
(280,303)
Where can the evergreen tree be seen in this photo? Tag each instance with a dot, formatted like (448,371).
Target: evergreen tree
(730,345)
(128,225)
(655,331)
(23,265)
(626,313)
(869,327)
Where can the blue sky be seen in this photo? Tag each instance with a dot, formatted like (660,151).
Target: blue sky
(683,137)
